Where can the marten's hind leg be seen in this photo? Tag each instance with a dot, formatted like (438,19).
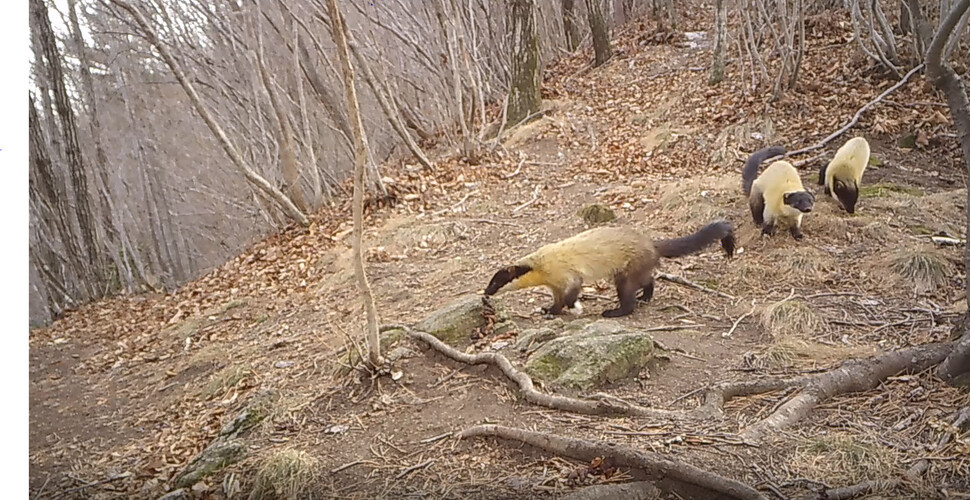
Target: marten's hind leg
(647,290)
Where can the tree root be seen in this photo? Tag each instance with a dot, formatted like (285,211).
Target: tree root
(852,376)
(858,114)
(655,466)
(613,406)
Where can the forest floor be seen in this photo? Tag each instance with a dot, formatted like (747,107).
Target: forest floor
(123,393)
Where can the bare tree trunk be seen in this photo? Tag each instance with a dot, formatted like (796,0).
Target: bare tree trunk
(569,24)
(601,38)
(339,32)
(271,191)
(284,132)
(524,97)
(720,42)
(387,106)
(109,215)
(72,146)
(52,195)
(942,75)
(451,41)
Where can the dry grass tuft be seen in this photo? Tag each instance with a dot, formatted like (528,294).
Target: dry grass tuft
(801,262)
(791,317)
(225,379)
(842,458)
(927,270)
(285,475)
(686,204)
(776,355)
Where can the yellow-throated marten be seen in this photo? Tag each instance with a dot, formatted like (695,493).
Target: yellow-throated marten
(620,253)
(843,175)
(777,194)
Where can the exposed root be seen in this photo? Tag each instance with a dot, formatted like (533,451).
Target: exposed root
(613,406)
(852,376)
(655,466)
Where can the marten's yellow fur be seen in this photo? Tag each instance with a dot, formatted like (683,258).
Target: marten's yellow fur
(778,195)
(843,175)
(620,253)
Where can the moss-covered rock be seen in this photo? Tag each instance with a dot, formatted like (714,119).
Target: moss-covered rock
(217,455)
(535,337)
(600,352)
(455,322)
(596,214)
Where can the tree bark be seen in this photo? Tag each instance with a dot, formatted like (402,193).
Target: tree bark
(257,180)
(72,147)
(601,38)
(569,24)
(720,42)
(51,194)
(939,72)
(339,32)
(284,132)
(524,97)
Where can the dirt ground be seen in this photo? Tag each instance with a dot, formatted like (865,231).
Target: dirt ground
(140,385)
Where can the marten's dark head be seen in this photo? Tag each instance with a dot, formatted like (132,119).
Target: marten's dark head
(847,193)
(504,277)
(803,201)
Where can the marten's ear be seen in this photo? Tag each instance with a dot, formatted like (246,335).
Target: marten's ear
(504,276)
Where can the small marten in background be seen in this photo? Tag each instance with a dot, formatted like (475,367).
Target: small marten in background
(777,194)
(843,175)
(620,253)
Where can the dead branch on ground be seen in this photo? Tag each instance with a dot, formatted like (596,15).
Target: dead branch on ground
(654,465)
(858,114)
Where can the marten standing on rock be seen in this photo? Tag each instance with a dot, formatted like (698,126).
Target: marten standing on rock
(620,253)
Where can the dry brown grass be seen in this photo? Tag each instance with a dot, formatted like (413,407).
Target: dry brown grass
(285,475)
(775,356)
(925,269)
(686,204)
(843,459)
(791,317)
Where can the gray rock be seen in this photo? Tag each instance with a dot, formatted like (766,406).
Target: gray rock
(640,490)
(455,322)
(592,354)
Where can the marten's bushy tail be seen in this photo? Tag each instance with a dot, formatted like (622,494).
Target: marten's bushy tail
(677,247)
(750,171)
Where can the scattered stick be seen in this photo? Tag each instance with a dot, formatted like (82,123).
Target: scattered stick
(738,322)
(858,114)
(656,466)
(351,464)
(535,197)
(517,170)
(436,438)
(414,468)
(89,485)
(681,281)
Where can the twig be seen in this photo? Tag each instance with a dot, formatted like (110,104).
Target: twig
(88,485)
(535,197)
(685,396)
(436,438)
(858,114)
(414,468)
(517,170)
(682,281)
(351,464)
(738,322)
